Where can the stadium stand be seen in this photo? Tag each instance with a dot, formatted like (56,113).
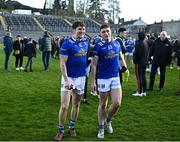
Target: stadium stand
(91,26)
(20,23)
(2,33)
(53,23)
(1,28)
(33,25)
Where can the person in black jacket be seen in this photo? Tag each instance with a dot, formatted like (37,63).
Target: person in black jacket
(140,58)
(18,48)
(161,52)
(30,52)
(176,52)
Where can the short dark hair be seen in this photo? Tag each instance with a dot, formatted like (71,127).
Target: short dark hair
(104,26)
(30,39)
(18,36)
(46,32)
(141,35)
(8,33)
(121,30)
(77,24)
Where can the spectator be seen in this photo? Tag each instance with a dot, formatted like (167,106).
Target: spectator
(150,41)
(161,52)
(30,52)
(18,48)
(8,46)
(141,55)
(40,43)
(56,46)
(25,41)
(176,52)
(46,49)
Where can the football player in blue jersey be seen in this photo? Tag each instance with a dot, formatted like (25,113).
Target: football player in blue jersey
(106,56)
(73,55)
(130,45)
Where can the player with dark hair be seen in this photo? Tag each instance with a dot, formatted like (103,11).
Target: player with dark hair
(73,55)
(106,62)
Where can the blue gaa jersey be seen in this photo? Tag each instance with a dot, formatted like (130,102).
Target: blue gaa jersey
(96,39)
(108,59)
(76,50)
(130,45)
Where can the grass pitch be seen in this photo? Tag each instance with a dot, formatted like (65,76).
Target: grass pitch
(29,105)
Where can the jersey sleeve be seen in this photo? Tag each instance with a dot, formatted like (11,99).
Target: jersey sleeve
(96,50)
(64,50)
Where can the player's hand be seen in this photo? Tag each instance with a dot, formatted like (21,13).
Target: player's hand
(68,84)
(93,86)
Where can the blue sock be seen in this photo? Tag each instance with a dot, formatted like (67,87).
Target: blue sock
(61,128)
(108,119)
(71,124)
(101,127)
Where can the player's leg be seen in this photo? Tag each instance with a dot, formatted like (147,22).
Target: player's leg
(116,96)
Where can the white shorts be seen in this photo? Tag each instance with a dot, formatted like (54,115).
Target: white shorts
(78,83)
(128,54)
(105,85)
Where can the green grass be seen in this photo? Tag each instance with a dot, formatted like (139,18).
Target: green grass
(29,105)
